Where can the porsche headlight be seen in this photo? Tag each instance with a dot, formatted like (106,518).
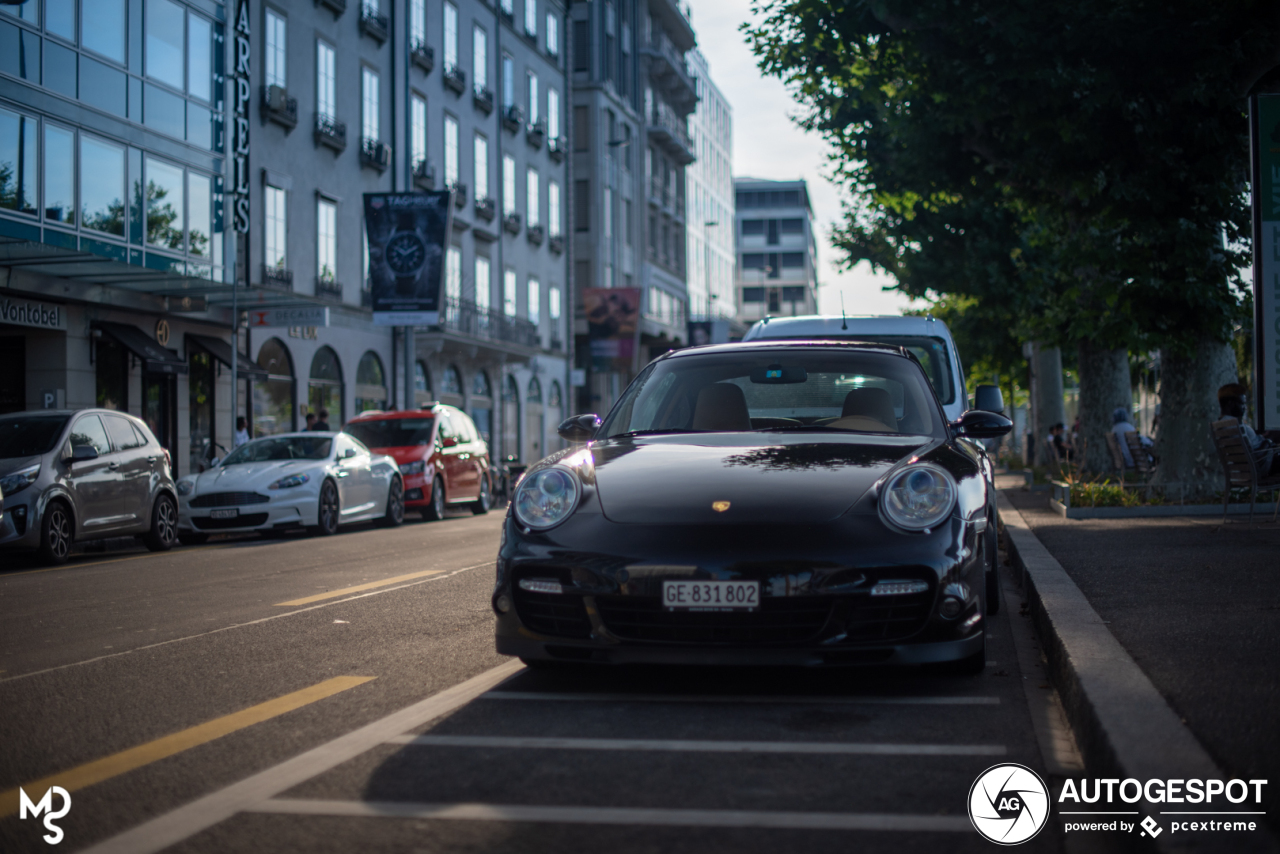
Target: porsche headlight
(19,480)
(415,467)
(186,487)
(546,498)
(919,497)
(290,481)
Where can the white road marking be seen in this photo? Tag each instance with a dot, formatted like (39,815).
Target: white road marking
(186,821)
(621,815)
(450,574)
(729,698)
(700,746)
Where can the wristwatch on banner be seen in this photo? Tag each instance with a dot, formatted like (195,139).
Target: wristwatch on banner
(405,253)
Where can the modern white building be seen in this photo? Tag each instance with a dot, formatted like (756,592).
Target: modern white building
(710,217)
(777,252)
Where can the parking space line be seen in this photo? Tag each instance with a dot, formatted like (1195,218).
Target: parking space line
(334,594)
(621,815)
(144,754)
(905,700)
(188,820)
(701,746)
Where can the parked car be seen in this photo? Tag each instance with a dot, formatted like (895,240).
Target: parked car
(71,476)
(756,503)
(441,455)
(317,481)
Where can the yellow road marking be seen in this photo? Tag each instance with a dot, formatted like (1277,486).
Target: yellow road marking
(153,751)
(333,594)
(71,565)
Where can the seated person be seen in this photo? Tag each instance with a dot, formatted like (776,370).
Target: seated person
(1120,425)
(1233,402)
(1057,435)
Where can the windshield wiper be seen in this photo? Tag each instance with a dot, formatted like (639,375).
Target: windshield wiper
(793,428)
(665,430)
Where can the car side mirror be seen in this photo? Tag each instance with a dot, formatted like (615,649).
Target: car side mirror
(83,453)
(213,462)
(988,398)
(579,428)
(448,442)
(350,452)
(980,424)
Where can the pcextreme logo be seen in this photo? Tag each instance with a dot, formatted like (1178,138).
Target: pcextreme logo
(1008,804)
(27,808)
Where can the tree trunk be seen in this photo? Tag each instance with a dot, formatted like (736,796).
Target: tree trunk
(1047,406)
(1188,403)
(1104,385)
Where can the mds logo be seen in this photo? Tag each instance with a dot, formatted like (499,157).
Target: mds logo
(27,808)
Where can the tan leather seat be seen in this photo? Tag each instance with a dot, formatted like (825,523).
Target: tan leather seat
(871,403)
(721,407)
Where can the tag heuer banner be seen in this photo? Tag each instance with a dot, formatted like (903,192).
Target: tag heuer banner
(407,234)
(1266,257)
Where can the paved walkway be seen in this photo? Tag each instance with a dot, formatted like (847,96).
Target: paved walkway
(1197,605)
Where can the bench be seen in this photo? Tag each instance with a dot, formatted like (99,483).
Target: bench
(1240,465)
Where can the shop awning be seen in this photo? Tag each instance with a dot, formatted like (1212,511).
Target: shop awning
(221,350)
(154,357)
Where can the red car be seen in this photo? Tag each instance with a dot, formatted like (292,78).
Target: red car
(442,458)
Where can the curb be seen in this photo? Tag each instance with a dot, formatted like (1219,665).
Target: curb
(1263,512)
(1123,725)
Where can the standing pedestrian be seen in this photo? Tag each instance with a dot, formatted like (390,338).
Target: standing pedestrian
(322,423)
(242,431)
(311,421)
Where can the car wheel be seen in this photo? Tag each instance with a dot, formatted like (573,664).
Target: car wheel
(481,505)
(992,548)
(434,511)
(395,504)
(57,533)
(193,539)
(327,513)
(164,525)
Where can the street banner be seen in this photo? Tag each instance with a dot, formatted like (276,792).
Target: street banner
(303,315)
(613,324)
(1265,125)
(407,234)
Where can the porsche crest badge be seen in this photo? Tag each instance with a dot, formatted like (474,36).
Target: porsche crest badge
(719,506)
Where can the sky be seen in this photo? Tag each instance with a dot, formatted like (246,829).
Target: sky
(767,144)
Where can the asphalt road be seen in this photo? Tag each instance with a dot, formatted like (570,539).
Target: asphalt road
(261,695)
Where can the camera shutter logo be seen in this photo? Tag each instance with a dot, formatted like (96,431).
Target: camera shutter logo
(1009,804)
(45,805)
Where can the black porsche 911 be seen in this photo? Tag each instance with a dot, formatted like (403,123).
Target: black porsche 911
(767,503)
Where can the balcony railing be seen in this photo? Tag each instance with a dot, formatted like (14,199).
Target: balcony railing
(375,153)
(535,134)
(511,223)
(337,7)
(459,194)
(424,174)
(455,78)
(279,107)
(331,132)
(328,289)
(556,244)
(422,56)
(486,209)
(672,134)
(277,277)
(536,234)
(372,22)
(484,99)
(512,118)
(556,148)
(467,318)
(668,65)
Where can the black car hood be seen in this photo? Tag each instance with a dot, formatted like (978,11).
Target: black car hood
(765,478)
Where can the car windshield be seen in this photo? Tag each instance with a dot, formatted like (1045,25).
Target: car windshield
(281,448)
(932,353)
(30,435)
(801,389)
(392,432)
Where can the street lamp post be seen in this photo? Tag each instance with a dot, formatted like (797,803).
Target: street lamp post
(706,261)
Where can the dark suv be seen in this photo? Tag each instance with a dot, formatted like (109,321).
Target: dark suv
(83,475)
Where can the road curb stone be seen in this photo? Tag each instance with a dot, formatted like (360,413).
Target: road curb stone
(1122,724)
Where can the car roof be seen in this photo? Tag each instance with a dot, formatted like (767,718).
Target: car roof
(382,415)
(89,410)
(809,325)
(789,344)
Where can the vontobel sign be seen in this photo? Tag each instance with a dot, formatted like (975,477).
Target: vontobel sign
(21,312)
(407,237)
(1266,256)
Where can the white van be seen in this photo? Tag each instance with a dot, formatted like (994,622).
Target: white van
(926,337)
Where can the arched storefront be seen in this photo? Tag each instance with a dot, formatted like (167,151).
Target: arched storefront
(555,414)
(421,384)
(482,406)
(533,418)
(510,419)
(451,386)
(273,397)
(324,387)
(371,384)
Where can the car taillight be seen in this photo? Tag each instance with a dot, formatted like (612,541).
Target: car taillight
(168,460)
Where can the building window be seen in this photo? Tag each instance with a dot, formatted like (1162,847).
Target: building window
(535,300)
(199,47)
(273,397)
(165,40)
(369,104)
(417,130)
(553,34)
(626,221)
(453,274)
(276,228)
(553,114)
(199,215)
(166,206)
(582,205)
(553,209)
(371,383)
(274,61)
(480,58)
(792,259)
(553,302)
(791,226)
(532,192)
(103,28)
(507,7)
(581,129)
(450,151)
(324,390)
(752,227)
(417,23)
(508,80)
(509,292)
(482,166)
(793,294)
(508,184)
(607,213)
(101,185)
(581,46)
(326,82)
(421,384)
(450,36)
(533,98)
(482,283)
(18,175)
(753,294)
(531,18)
(326,240)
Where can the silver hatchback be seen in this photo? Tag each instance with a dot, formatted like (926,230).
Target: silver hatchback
(84,475)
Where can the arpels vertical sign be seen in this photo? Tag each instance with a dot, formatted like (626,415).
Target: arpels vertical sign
(240,138)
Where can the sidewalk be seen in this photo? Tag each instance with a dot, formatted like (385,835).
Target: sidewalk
(1197,606)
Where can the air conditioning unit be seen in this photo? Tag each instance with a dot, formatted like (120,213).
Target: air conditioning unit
(278,99)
